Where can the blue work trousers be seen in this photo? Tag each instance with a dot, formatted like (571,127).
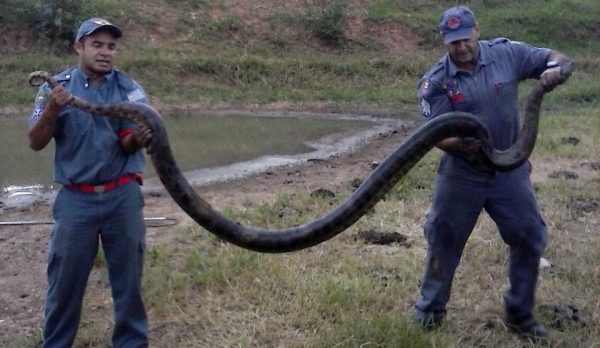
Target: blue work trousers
(80,221)
(459,196)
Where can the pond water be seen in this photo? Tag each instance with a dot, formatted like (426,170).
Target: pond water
(199,142)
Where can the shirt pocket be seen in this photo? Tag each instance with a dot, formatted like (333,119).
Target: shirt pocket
(505,92)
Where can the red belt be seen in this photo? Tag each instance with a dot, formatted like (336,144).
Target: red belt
(106,187)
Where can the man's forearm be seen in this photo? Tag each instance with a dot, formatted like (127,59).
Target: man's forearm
(42,131)
(558,57)
(449,145)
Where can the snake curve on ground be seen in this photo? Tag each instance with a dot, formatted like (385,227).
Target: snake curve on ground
(393,168)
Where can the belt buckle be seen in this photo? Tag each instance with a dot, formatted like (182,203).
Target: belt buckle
(99,189)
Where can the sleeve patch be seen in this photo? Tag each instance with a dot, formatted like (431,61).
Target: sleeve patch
(136,95)
(425,108)
(40,103)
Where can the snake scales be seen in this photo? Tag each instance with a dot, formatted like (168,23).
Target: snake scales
(373,188)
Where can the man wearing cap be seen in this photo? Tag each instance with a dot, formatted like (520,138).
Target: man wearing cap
(98,161)
(482,78)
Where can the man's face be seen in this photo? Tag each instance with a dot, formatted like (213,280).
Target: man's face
(97,51)
(465,52)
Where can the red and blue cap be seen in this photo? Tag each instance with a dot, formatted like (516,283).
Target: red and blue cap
(456,24)
(93,24)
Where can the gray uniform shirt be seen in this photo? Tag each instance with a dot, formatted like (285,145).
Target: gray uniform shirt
(491,93)
(88,149)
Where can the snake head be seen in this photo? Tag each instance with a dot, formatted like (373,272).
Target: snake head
(567,69)
(38,78)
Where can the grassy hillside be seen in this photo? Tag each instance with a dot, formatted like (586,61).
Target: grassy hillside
(333,52)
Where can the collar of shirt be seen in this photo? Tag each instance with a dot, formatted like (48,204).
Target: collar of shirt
(79,77)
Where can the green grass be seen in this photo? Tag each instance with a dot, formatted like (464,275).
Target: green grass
(560,24)
(210,66)
(342,293)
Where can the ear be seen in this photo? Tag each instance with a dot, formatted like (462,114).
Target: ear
(79,47)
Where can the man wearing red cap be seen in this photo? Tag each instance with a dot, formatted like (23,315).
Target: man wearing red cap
(482,78)
(98,161)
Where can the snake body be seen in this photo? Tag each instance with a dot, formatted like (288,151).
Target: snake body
(393,168)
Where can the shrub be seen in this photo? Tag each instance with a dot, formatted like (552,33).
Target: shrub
(54,23)
(327,19)
(58,21)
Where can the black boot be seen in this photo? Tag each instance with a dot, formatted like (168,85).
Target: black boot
(528,327)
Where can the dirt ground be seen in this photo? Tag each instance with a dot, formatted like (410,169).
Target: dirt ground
(23,248)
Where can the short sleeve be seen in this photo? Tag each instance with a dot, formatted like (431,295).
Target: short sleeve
(137,94)
(531,61)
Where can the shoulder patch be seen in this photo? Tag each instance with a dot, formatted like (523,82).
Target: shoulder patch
(424,87)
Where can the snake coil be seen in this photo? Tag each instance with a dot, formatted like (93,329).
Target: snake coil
(393,168)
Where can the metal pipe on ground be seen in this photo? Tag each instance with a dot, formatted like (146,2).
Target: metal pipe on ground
(160,221)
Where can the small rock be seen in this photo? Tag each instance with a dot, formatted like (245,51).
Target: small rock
(570,140)
(568,315)
(374,237)
(323,193)
(356,183)
(545,263)
(563,174)
(583,205)
(594,165)
(287,212)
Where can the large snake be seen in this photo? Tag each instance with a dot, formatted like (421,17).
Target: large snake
(374,187)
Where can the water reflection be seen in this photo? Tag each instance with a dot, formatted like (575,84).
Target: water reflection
(197,141)
(22,166)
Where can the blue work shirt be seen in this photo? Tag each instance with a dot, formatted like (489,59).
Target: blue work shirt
(88,148)
(491,93)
